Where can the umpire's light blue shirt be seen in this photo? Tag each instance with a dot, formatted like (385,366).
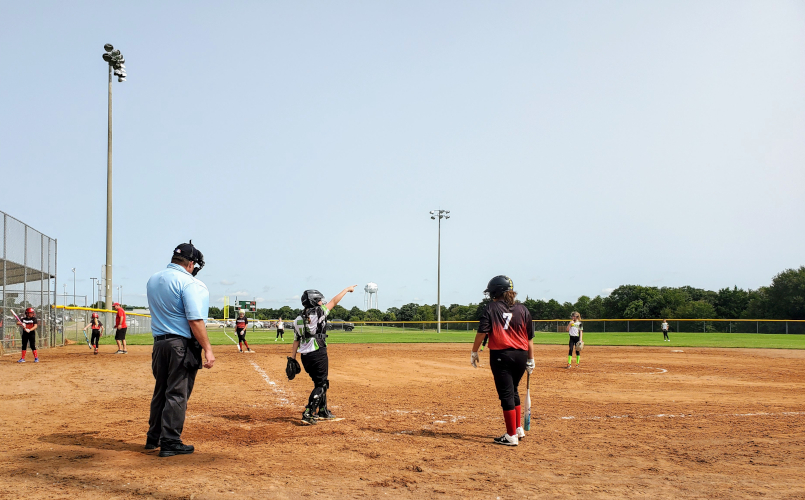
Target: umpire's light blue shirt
(176,297)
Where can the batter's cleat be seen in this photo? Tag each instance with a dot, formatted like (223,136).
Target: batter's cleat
(507,440)
(36,360)
(326,414)
(22,360)
(170,450)
(520,433)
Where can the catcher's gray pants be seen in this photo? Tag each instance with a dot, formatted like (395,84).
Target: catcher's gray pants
(174,383)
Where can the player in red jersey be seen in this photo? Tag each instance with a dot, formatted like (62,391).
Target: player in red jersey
(241,324)
(511,351)
(28,323)
(97,330)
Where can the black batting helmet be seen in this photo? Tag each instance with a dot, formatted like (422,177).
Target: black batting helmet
(311,298)
(498,285)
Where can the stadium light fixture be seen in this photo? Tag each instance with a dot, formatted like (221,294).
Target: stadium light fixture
(117,67)
(439,214)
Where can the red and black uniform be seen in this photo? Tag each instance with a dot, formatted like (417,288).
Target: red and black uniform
(96,332)
(509,329)
(29,337)
(240,328)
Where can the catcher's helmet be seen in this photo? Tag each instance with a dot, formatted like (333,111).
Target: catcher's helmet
(498,285)
(311,298)
(29,310)
(94,315)
(191,253)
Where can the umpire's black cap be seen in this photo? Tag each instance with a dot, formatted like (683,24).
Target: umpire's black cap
(191,253)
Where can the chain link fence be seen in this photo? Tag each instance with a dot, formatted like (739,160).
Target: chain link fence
(73,319)
(28,280)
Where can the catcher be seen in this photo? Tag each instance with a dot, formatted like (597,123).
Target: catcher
(310,332)
(576,331)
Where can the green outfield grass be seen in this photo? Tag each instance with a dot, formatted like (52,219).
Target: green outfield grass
(374,335)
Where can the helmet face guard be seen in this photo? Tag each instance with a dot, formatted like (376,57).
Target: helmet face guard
(311,298)
(498,286)
(191,253)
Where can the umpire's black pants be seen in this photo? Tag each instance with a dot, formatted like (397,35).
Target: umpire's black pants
(174,383)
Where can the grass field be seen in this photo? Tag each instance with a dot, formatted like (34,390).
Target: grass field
(376,335)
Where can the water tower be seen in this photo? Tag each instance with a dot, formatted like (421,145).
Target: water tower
(370,296)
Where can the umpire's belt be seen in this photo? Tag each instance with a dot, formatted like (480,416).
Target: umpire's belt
(168,336)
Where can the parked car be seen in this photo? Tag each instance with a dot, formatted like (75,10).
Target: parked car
(211,323)
(340,324)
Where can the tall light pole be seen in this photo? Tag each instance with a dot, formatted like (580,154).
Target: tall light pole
(93,291)
(75,302)
(118,68)
(439,214)
(120,295)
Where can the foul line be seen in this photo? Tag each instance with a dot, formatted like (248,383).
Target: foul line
(689,415)
(271,384)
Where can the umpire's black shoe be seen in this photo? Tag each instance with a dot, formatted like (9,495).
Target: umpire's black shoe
(169,450)
(151,445)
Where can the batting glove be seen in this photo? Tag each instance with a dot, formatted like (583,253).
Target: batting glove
(529,366)
(474,359)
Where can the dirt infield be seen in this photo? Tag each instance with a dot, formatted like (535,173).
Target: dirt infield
(631,423)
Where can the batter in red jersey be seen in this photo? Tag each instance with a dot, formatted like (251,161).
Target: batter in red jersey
(28,325)
(511,351)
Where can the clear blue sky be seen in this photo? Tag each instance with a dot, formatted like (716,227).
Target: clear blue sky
(578,145)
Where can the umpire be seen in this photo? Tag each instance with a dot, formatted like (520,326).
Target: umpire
(179,305)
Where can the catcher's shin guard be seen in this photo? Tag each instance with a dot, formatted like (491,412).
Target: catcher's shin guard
(316,397)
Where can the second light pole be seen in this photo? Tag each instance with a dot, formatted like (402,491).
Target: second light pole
(439,215)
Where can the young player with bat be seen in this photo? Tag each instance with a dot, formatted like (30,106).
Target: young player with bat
(511,351)
(28,325)
(97,331)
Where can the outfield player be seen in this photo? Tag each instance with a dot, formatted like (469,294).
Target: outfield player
(511,351)
(280,330)
(97,331)
(121,327)
(310,332)
(28,324)
(665,331)
(240,328)
(576,332)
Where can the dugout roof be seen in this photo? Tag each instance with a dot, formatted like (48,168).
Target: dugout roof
(13,274)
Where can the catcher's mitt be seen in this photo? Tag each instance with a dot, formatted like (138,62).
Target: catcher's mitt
(292,368)
(579,346)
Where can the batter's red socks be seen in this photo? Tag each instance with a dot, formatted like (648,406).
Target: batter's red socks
(517,413)
(35,354)
(247,346)
(23,355)
(511,421)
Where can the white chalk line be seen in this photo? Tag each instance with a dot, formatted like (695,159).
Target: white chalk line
(687,415)
(273,385)
(230,338)
(661,371)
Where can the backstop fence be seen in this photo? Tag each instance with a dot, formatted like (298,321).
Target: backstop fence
(28,280)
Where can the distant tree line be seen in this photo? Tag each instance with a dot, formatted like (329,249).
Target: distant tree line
(784,298)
